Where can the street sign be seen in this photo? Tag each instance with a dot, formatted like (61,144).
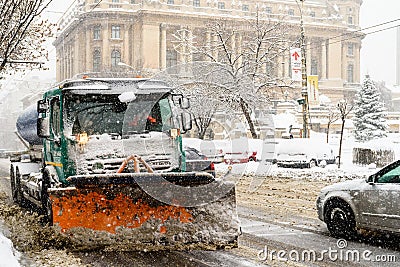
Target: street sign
(295,63)
(313,90)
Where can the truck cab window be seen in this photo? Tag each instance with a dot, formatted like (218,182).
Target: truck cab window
(55,116)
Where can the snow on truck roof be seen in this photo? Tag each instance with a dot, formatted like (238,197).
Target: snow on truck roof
(116,85)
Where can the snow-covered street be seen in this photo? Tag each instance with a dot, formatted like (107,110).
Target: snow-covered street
(277,211)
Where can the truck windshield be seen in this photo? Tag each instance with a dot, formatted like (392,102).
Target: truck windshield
(99,114)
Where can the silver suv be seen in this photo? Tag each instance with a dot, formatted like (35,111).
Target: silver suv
(372,203)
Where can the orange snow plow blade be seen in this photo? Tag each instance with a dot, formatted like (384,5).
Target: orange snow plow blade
(110,209)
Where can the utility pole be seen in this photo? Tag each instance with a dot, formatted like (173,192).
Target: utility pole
(304,92)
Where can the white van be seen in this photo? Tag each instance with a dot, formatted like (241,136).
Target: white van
(304,153)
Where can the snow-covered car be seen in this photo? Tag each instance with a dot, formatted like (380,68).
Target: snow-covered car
(372,203)
(240,157)
(196,161)
(304,153)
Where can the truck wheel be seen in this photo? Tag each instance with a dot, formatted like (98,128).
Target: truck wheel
(18,194)
(13,187)
(340,219)
(45,198)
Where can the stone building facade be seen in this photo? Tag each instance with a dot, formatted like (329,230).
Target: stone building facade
(140,37)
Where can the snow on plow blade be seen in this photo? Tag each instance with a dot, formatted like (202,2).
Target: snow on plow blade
(142,209)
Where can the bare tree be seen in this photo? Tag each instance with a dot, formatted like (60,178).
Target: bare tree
(203,107)
(333,116)
(344,109)
(250,55)
(22,33)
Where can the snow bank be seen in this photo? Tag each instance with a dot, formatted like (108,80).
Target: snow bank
(347,170)
(9,257)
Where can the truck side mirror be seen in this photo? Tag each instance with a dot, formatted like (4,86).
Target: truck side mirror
(185,104)
(371,179)
(43,127)
(42,106)
(180,100)
(186,120)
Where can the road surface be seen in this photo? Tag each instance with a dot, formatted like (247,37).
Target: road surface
(279,225)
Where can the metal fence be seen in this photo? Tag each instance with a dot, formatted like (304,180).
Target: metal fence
(366,156)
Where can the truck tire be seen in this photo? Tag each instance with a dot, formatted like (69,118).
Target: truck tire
(18,194)
(340,219)
(45,199)
(13,187)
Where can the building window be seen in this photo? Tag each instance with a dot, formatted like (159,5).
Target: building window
(314,67)
(268,10)
(221,5)
(312,14)
(96,32)
(170,2)
(245,8)
(350,49)
(96,60)
(133,2)
(115,58)
(196,3)
(350,73)
(350,20)
(115,1)
(291,12)
(115,32)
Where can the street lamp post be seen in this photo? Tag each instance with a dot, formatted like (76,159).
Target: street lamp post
(304,92)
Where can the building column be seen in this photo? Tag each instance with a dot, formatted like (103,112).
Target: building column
(208,44)
(106,53)
(323,61)
(286,62)
(357,77)
(233,46)
(308,57)
(126,51)
(239,48)
(88,66)
(163,46)
(281,59)
(214,52)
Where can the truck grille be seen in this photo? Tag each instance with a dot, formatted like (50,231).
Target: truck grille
(104,166)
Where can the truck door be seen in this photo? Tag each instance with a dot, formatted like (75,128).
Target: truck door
(55,135)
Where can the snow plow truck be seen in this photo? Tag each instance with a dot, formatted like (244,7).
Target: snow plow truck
(105,165)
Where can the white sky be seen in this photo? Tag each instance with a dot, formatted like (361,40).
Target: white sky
(378,52)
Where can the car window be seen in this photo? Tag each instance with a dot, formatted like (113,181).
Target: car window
(190,154)
(392,176)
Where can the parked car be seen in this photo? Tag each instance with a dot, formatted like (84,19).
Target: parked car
(215,155)
(240,157)
(304,153)
(196,161)
(372,203)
